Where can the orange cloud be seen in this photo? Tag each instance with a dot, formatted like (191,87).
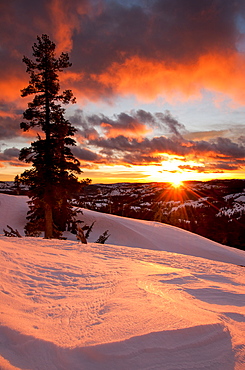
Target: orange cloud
(65,20)
(134,129)
(10,88)
(148,79)
(4,114)
(62,25)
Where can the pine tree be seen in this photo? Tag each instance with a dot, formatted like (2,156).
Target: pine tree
(52,179)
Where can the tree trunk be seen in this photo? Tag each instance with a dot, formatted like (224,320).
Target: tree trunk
(48,216)
(48,232)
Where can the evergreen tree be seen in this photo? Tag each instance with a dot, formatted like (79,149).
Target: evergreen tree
(52,179)
(17,184)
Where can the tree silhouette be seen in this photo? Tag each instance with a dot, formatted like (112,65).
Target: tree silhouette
(52,179)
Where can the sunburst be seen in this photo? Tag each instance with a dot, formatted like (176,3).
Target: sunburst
(176,183)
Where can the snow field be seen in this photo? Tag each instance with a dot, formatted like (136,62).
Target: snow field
(65,305)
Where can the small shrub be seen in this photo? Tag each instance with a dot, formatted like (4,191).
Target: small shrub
(103,237)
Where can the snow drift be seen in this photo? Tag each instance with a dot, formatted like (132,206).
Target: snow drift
(163,299)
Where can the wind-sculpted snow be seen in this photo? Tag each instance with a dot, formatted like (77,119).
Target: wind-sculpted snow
(210,348)
(66,305)
(70,306)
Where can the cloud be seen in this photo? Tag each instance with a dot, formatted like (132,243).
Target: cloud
(11,156)
(205,135)
(152,151)
(9,127)
(229,149)
(134,124)
(218,167)
(84,154)
(125,122)
(167,30)
(161,48)
(65,18)
(139,159)
(148,79)
(172,123)
(124,139)
(222,147)
(145,48)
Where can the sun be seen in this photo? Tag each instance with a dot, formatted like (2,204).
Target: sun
(176,183)
(176,179)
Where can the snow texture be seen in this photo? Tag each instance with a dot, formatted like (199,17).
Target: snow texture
(156,297)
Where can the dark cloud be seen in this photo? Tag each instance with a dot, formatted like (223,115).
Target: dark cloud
(85,130)
(138,159)
(9,154)
(85,154)
(146,149)
(196,27)
(112,36)
(168,30)
(9,127)
(172,123)
(216,167)
(123,122)
(220,146)
(135,123)
(143,147)
(21,22)
(230,149)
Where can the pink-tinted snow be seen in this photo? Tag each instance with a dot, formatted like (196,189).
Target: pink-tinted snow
(154,297)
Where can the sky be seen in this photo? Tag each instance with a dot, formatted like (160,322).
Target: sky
(159,85)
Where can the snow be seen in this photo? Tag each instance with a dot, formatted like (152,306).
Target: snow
(156,297)
(241,199)
(189,203)
(237,196)
(237,207)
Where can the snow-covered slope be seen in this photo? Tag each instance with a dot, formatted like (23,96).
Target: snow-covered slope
(69,306)
(213,209)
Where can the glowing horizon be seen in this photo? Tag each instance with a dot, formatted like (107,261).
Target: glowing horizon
(118,174)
